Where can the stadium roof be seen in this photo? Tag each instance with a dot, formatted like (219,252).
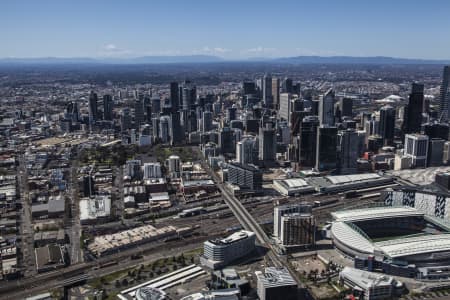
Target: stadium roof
(349,236)
(374,213)
(415,245)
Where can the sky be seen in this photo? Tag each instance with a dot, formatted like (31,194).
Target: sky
(233,29)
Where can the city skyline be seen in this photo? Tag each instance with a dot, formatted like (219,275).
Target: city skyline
(231,30)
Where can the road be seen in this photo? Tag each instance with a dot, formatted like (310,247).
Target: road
(74,228)
(26,227)
(244,217)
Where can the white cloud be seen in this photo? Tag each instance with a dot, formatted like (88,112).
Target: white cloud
(260,49)
(113,50)
(110,47)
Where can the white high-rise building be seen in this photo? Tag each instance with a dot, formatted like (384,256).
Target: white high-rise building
(416,147)
(247,150)
(326,108)
(174,166)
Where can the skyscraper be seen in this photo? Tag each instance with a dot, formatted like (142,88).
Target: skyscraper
(174,96)
(267,91)
(413,112)
(247,150)
(206,121)
(326,157)
(308,141)
(107,107)
(346,106)
(444,97)
(267,144)
(285,106)
(387,124)
(125,119)
(326,108)
(138,112)
(275,92)
(348,151)
(416,147)
(93,106)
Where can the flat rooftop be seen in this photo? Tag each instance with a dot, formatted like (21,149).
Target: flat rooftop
(237,236)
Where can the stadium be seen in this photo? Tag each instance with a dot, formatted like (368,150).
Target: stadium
(398,240)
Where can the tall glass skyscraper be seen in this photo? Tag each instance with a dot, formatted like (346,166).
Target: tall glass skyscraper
(445,95)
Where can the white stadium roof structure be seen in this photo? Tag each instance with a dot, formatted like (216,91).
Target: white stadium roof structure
(382,212)
(349,238)
(415,245)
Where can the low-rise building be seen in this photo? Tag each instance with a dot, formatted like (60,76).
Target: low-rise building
(371,286)
(276,284)
(95,209)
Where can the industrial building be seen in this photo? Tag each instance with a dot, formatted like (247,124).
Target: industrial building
(276,284)
(221,252)
(341,183)
(95,209)
(107,244)
(292,186)
(370,286)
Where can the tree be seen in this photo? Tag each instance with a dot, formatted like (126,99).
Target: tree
(125,282)
(117,284)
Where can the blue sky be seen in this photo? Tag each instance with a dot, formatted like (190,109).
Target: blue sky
(227,28)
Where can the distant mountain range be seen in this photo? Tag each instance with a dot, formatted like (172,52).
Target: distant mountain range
(378,60)
(135,60)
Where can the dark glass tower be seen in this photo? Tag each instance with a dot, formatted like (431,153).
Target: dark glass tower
(444,98)
(413,112)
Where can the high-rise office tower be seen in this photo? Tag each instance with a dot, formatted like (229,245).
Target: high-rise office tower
(155,103)
(326,108)
(206,121)
(285,106)
(267,144)
(174,96)
(249,88)
(188,96)
(348,151)
(416,147)
(326,157)
(93,107)
(267,91)
(308,141)
(72,112)
(164,129)
(138,112)
(412,119)
(286,86)
(346,107)
(275,92)
(435,152)
(107,107)
(387,124)
(444,98)
(436,130)
(230,114)
(247,150)
(226,141)
(125,119)
(176,131)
